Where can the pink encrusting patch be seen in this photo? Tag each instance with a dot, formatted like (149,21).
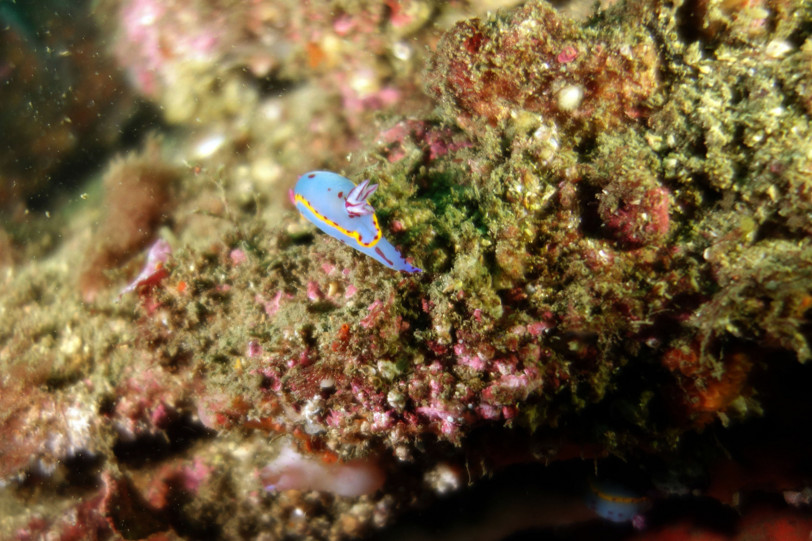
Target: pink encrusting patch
(567,54)
(465,357)
(314,292)
(637,217)
(376,312)
(237,256)
(272,306)
(254,350)
(538,327)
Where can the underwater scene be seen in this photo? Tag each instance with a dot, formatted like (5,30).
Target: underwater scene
(481,270)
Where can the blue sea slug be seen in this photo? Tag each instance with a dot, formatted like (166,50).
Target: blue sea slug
(340,208)
(616,502)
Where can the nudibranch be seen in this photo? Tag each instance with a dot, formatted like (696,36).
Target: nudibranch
(616,502)
(340,208)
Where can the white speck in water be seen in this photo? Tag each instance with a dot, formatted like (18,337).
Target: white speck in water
(207,146)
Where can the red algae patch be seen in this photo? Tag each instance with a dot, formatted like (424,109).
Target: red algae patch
(540,62)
